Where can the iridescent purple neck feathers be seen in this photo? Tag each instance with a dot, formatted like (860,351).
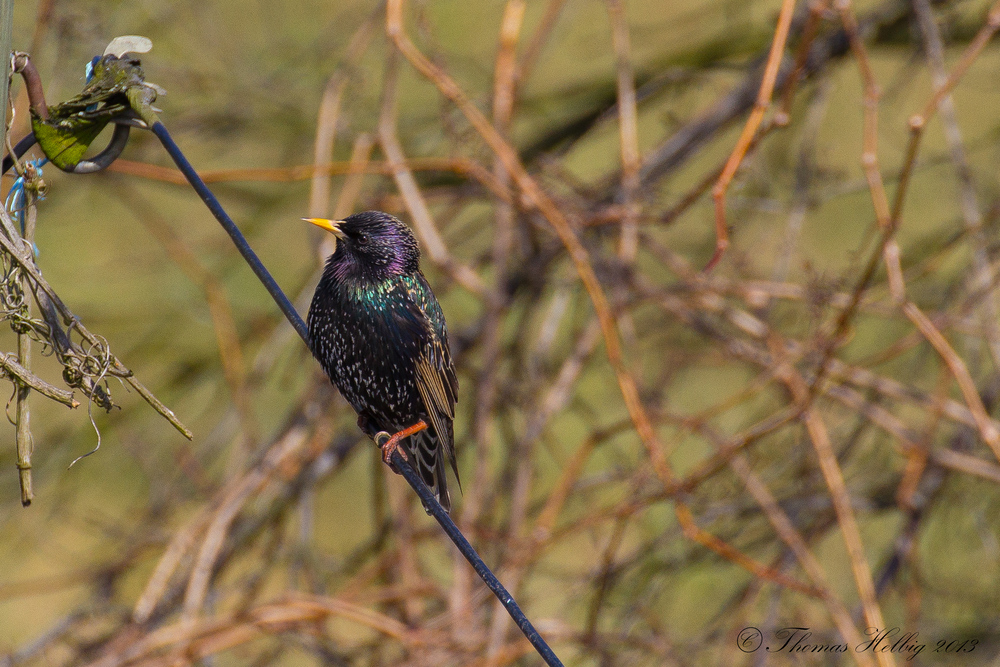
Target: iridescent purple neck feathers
(373,247)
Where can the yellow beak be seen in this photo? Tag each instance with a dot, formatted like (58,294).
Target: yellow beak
(332,226)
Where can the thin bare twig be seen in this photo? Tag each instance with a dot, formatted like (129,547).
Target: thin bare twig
(760,107)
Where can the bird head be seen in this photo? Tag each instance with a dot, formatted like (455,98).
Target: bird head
(371,246)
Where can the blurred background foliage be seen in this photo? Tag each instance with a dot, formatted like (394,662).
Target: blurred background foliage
(560,493)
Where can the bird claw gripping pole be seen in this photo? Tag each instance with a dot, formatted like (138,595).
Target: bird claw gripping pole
(390,443)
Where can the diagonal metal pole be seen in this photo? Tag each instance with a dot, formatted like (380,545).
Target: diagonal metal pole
(234,232)
(431,503)
(434,508)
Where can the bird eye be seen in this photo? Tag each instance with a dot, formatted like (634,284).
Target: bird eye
(362,239)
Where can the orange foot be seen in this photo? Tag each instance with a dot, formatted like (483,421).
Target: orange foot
(390,443)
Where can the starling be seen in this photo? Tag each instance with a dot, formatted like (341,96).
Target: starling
(378,331)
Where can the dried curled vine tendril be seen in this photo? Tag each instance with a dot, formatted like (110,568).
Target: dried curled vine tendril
(95,373)
(89,363)
(83,369)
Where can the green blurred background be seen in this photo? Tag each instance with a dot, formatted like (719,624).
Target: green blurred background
(244,82)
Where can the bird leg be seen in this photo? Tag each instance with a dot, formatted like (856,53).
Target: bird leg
(390,443)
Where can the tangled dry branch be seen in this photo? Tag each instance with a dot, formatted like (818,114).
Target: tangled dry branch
(784,441)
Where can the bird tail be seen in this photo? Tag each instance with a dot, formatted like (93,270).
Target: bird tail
(429,458)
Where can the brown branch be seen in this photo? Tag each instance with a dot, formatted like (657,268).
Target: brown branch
(760,107)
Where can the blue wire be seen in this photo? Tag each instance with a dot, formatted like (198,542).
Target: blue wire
(90,76)
(15,198)
(90,67)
